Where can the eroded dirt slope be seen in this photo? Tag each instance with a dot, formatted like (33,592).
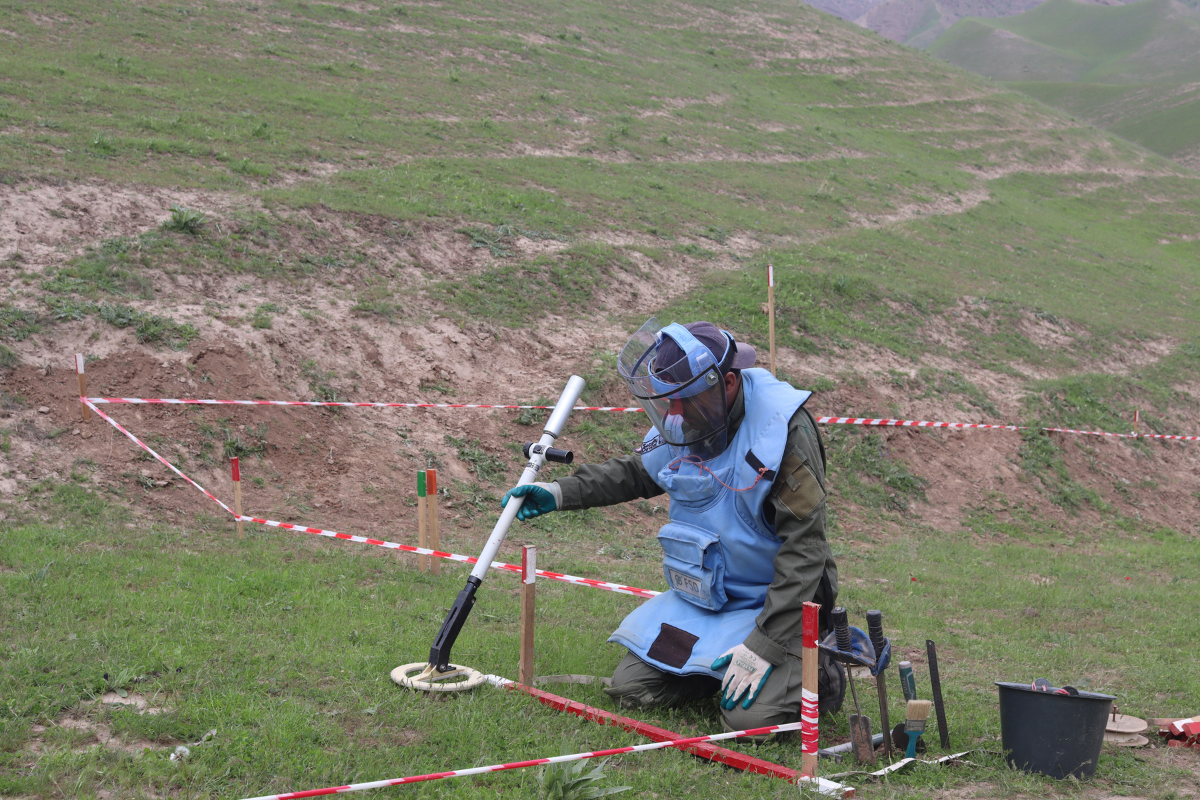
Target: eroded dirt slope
(352,469)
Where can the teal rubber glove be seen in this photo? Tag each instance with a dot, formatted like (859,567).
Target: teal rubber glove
(745,674)
(540,498)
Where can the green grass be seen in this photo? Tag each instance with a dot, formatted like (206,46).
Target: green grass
(168,612)
(684,134)
(515,294)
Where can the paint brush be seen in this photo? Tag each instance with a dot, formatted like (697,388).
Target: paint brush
(916,714)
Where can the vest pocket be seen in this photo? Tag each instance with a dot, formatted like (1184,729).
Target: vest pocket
(694,564)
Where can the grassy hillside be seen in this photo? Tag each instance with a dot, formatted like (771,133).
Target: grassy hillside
(463,202)
(1131,69)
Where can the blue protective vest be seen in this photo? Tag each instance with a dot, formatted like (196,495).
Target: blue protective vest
(718,549)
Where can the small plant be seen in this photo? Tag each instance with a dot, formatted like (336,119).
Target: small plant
(319,381)
(263,315)
(494,241)
(376,302)
(487,467)
(568,781)
(149,328)
(531,416)
(17,323)
(102,146)
(252,442)
(123,678)
(68,308)
(8,359)
(185,220)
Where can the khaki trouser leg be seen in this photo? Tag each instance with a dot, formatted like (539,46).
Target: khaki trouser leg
(636,684)
(777,703)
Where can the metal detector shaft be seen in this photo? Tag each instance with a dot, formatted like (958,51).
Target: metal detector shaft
(439,654)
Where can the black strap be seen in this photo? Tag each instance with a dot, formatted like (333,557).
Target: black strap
(758,466)
(827,600)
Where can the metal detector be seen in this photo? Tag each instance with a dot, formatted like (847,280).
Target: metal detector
(438,674)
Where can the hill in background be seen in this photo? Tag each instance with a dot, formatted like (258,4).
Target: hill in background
(1133,69)
(454,202)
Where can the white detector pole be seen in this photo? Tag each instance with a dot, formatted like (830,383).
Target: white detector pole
(439,654)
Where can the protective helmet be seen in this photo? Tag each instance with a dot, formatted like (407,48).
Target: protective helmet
(677,374)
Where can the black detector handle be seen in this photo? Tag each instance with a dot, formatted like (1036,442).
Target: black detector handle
(550,453)
(875,631)
(439,654)
(841,629)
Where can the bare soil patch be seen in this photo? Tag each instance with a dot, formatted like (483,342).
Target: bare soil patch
(81,733)
(351,469)
(47,223)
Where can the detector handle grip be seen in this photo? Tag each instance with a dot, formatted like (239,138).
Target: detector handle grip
(551,453)
(875,630)
(841,629)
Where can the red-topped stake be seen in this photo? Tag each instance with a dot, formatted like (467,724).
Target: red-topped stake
(83,409)
(435,538)
(809,700)
(237,496)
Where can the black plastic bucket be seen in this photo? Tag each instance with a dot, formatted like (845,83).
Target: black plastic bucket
(1052,734)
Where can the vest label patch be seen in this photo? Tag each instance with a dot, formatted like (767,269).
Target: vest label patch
(653,444)
(686,584)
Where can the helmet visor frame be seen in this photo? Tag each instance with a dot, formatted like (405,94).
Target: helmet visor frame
(686,401)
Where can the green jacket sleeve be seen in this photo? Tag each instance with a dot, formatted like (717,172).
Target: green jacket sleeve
(797,500)
(617,480)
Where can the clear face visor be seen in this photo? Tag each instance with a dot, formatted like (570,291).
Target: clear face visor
(685,400)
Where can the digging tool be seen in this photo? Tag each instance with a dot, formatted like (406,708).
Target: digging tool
(433,675)
(935,682)
(860,726)
(875,631)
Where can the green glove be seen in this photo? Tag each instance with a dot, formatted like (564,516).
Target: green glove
(540,498)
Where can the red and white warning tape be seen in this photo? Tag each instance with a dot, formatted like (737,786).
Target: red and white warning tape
(190,402)
(407,548)
(866,421)
(460,773)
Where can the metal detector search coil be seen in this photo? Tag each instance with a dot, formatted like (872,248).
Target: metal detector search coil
(439,666)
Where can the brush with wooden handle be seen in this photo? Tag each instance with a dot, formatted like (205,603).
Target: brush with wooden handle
(916,715)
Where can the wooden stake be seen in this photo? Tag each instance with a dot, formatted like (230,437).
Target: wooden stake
(435,539)
(528,576)
(82,386)
(237,496)
(422,519)
(809,687)
(1137,420)
(771,312)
